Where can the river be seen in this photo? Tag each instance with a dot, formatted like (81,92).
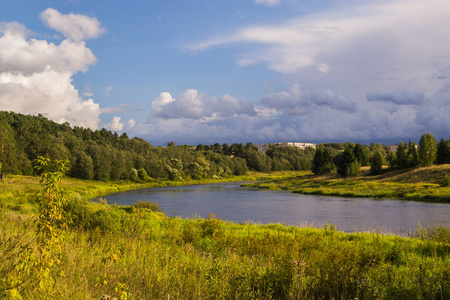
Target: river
(230,201)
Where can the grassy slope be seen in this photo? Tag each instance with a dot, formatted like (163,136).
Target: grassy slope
(423,184)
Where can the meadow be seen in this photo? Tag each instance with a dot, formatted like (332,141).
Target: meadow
(429,184)
(138,252)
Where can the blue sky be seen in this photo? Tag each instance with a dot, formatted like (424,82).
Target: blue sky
(231,71)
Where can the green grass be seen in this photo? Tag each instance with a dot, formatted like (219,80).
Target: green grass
(140,253)
(422,184)
(151,256)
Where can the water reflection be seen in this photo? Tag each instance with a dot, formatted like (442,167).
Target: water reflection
(231,202)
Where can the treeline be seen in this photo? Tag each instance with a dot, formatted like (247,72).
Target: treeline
(104,155)
(348,158)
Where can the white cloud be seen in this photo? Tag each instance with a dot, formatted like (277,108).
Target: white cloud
(73,26)
(49,93)
(129,124)
(115,124)
(369,37)
(36,76)
(192,105)
(28,56)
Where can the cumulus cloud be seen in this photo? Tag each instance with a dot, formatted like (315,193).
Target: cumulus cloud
(36,76)
(28,56)
(115,124)
(130,124)
(49,93)
(72,26)
(193,105)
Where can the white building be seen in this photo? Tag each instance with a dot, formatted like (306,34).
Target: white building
(264,147)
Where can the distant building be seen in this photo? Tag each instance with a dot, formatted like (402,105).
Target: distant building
(264,147)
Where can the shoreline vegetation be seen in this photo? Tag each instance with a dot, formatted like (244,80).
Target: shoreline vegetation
(427,184)
(138,252)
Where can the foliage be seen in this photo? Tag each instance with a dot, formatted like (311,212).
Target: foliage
(134,175)
(322,162)
(443,152)
(142,174)
(427,149)
(406,156)
(376,163)
(153,206)
(52,220)
(446,180)
(346,162)
(104,155)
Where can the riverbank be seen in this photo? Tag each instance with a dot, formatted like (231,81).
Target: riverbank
(428,184)
(17,192)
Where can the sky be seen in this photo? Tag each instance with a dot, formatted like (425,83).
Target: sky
(226,71)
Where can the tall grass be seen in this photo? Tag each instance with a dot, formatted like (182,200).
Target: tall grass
(151,256)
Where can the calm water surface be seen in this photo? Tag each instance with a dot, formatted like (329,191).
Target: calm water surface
(231,202)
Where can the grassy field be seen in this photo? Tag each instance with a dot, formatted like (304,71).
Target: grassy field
(429,184)
(137,252)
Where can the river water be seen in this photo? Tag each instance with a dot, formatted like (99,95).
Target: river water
(230,201)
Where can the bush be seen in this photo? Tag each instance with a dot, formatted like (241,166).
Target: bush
(445,181)
(153,206)
(80,213)
(376,163)
(105,220)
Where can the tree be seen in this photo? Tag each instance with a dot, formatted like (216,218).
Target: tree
(376,163)
(361,154)
(443,152)
(427,149)
(346,163)
(392,159)
(142,174)
(412,155)
(401,155)
(322,162)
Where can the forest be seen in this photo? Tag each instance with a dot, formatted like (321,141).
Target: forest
(107,156)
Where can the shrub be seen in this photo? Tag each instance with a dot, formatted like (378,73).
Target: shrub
(79,212)
(445,181)
(105,220)
(153,206)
